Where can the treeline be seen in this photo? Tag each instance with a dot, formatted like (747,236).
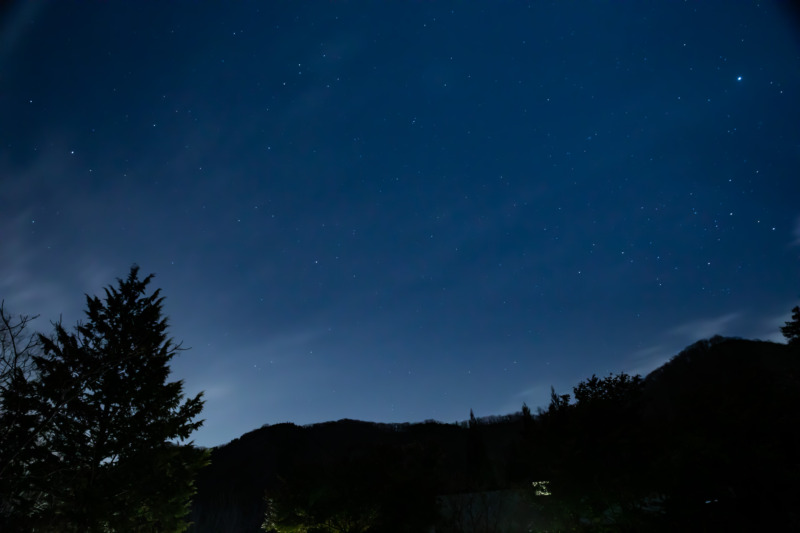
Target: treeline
(707,442)
(94,438)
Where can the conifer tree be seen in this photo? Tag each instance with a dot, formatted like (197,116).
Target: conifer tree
(792,328)
(116,434)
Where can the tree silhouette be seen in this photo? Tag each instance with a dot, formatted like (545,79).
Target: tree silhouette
(610,390)
(791,329)
(108,424)
(707,442)
(590,457)
(17,347)
(527,420)
(558,403)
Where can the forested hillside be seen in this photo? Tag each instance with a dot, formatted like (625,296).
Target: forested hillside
(707,442)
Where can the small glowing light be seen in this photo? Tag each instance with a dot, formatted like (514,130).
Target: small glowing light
(738,78)
(541,488)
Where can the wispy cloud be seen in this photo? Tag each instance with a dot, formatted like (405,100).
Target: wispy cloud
(644,361)
(702,328)
(27,288)
(769,327)
(20,286)
(647,359)
(38,228)
(535,396)
(535,390)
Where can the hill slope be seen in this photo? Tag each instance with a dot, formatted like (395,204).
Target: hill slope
(709,440)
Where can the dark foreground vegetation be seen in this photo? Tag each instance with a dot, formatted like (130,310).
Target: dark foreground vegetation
(707,442)
(93,438)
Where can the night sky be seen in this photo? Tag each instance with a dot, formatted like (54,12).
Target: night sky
(398,211)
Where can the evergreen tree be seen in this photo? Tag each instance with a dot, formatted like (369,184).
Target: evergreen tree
(608,391)
(527,419)
(526,411)
(792,328)
(115,437)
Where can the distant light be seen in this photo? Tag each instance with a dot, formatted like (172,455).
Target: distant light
(541,488)
(739,78)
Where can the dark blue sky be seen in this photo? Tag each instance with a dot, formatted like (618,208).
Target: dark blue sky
(399,211)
